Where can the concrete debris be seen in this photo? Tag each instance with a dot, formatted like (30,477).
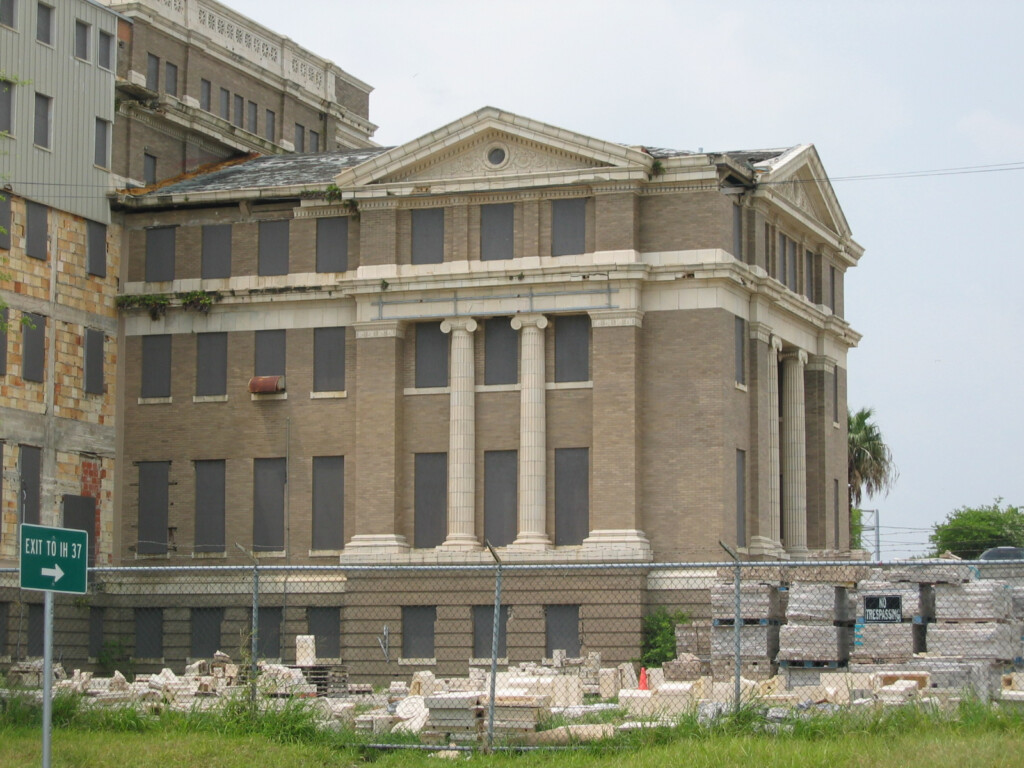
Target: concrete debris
(684,667)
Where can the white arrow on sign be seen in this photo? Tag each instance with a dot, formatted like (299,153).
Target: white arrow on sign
(56,572)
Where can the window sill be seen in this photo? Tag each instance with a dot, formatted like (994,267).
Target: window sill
(417,662)
(210,555)
(497,388)
(45,149)
(836,425)
(269,554)
(569,385)
(155,400)
(209,398)
(326,552)
(149,660)
(269,396)
(328,395)
(486,660)
(741,387)
(152,555)
(427,391)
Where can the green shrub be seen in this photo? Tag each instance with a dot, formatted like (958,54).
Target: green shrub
(659,636)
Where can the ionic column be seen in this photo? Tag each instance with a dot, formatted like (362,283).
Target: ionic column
(532,531)
(794,453)
(774,518)
(461,436)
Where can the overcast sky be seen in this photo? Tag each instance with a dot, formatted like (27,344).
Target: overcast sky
(878,87)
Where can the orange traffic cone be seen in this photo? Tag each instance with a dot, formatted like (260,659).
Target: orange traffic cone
(643,679)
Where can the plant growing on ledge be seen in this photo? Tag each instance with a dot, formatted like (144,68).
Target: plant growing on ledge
(200,301)
(332,194)
(154,303)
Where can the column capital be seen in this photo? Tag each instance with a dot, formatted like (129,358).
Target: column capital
(450,324)
(380,329)
(529,320)
(822,363)
(776,343)
(800,355)
(616,318)
(760,331)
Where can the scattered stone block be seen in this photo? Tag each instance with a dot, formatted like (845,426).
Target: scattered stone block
(423,683)
(573,734)
(684,667)
(628,676)
(637,703)
(609,682)
(305,651)
(655,678)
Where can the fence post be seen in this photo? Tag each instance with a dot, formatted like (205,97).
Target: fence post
(495,627)
(737,626)
(255,629)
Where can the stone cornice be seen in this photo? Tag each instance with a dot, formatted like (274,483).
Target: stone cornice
(616,318)
(822,363)
(380,329)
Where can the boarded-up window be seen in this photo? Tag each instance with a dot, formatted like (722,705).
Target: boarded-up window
(43,116)
(216,260)
(81,40)
(171,79)
(33,347)
(268,628)
(809,275)
(225,103)
(160,254)
(328,359)
(251,116)
(7,19)
(483,631)
(328,502)
(153,480)
(835,394)
(572,348)
(739,350)
(211,364)
(501,351)
(96,616)
(832,288)
(206,624)
(314,141)
(149,633)
(6,106)
(152,72)
(562,630)
(104,53)
(239,110)
(44,24)
(431,355)
(572,495)
(205,94)
(418,631)
(3,343)
(332,244)
(737,232)
(156,365)
(501,472)
(300,138)
(149,169)
(93,361)
(268,485)
(497,241)
(5,216)
(80,514)
(324,624)
(96,245)
(428,236)
(835,513)
(36,629)
(568,226)
(431,499)
(30,462)
(209,505)
(271,351)
(273,248)
(741,498)
(101,156)
(36,225)
(269,130)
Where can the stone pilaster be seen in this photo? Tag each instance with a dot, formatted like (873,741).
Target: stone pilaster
(615,506)
(461,436)
(532,529)
(767,542)
(822,526)
(794,453)
(379,432)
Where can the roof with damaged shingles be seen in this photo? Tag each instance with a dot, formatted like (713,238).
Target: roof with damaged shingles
(274,171)
(319,170)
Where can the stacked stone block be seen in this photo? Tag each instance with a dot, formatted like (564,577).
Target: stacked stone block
(760,614)
(894,641)
(818,623)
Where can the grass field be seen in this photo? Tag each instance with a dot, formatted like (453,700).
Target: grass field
(976,735)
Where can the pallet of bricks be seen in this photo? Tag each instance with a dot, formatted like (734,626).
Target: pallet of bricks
(760,615)
(819,625)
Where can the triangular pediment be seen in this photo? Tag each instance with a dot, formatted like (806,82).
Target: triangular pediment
(800,178)
(493,145)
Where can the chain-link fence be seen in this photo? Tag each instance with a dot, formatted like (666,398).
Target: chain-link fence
(578,651)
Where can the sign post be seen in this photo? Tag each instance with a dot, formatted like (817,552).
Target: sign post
(51,560)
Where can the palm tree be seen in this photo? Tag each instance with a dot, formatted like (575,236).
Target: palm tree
(871,467)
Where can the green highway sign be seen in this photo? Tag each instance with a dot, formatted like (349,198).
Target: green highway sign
(53,559)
